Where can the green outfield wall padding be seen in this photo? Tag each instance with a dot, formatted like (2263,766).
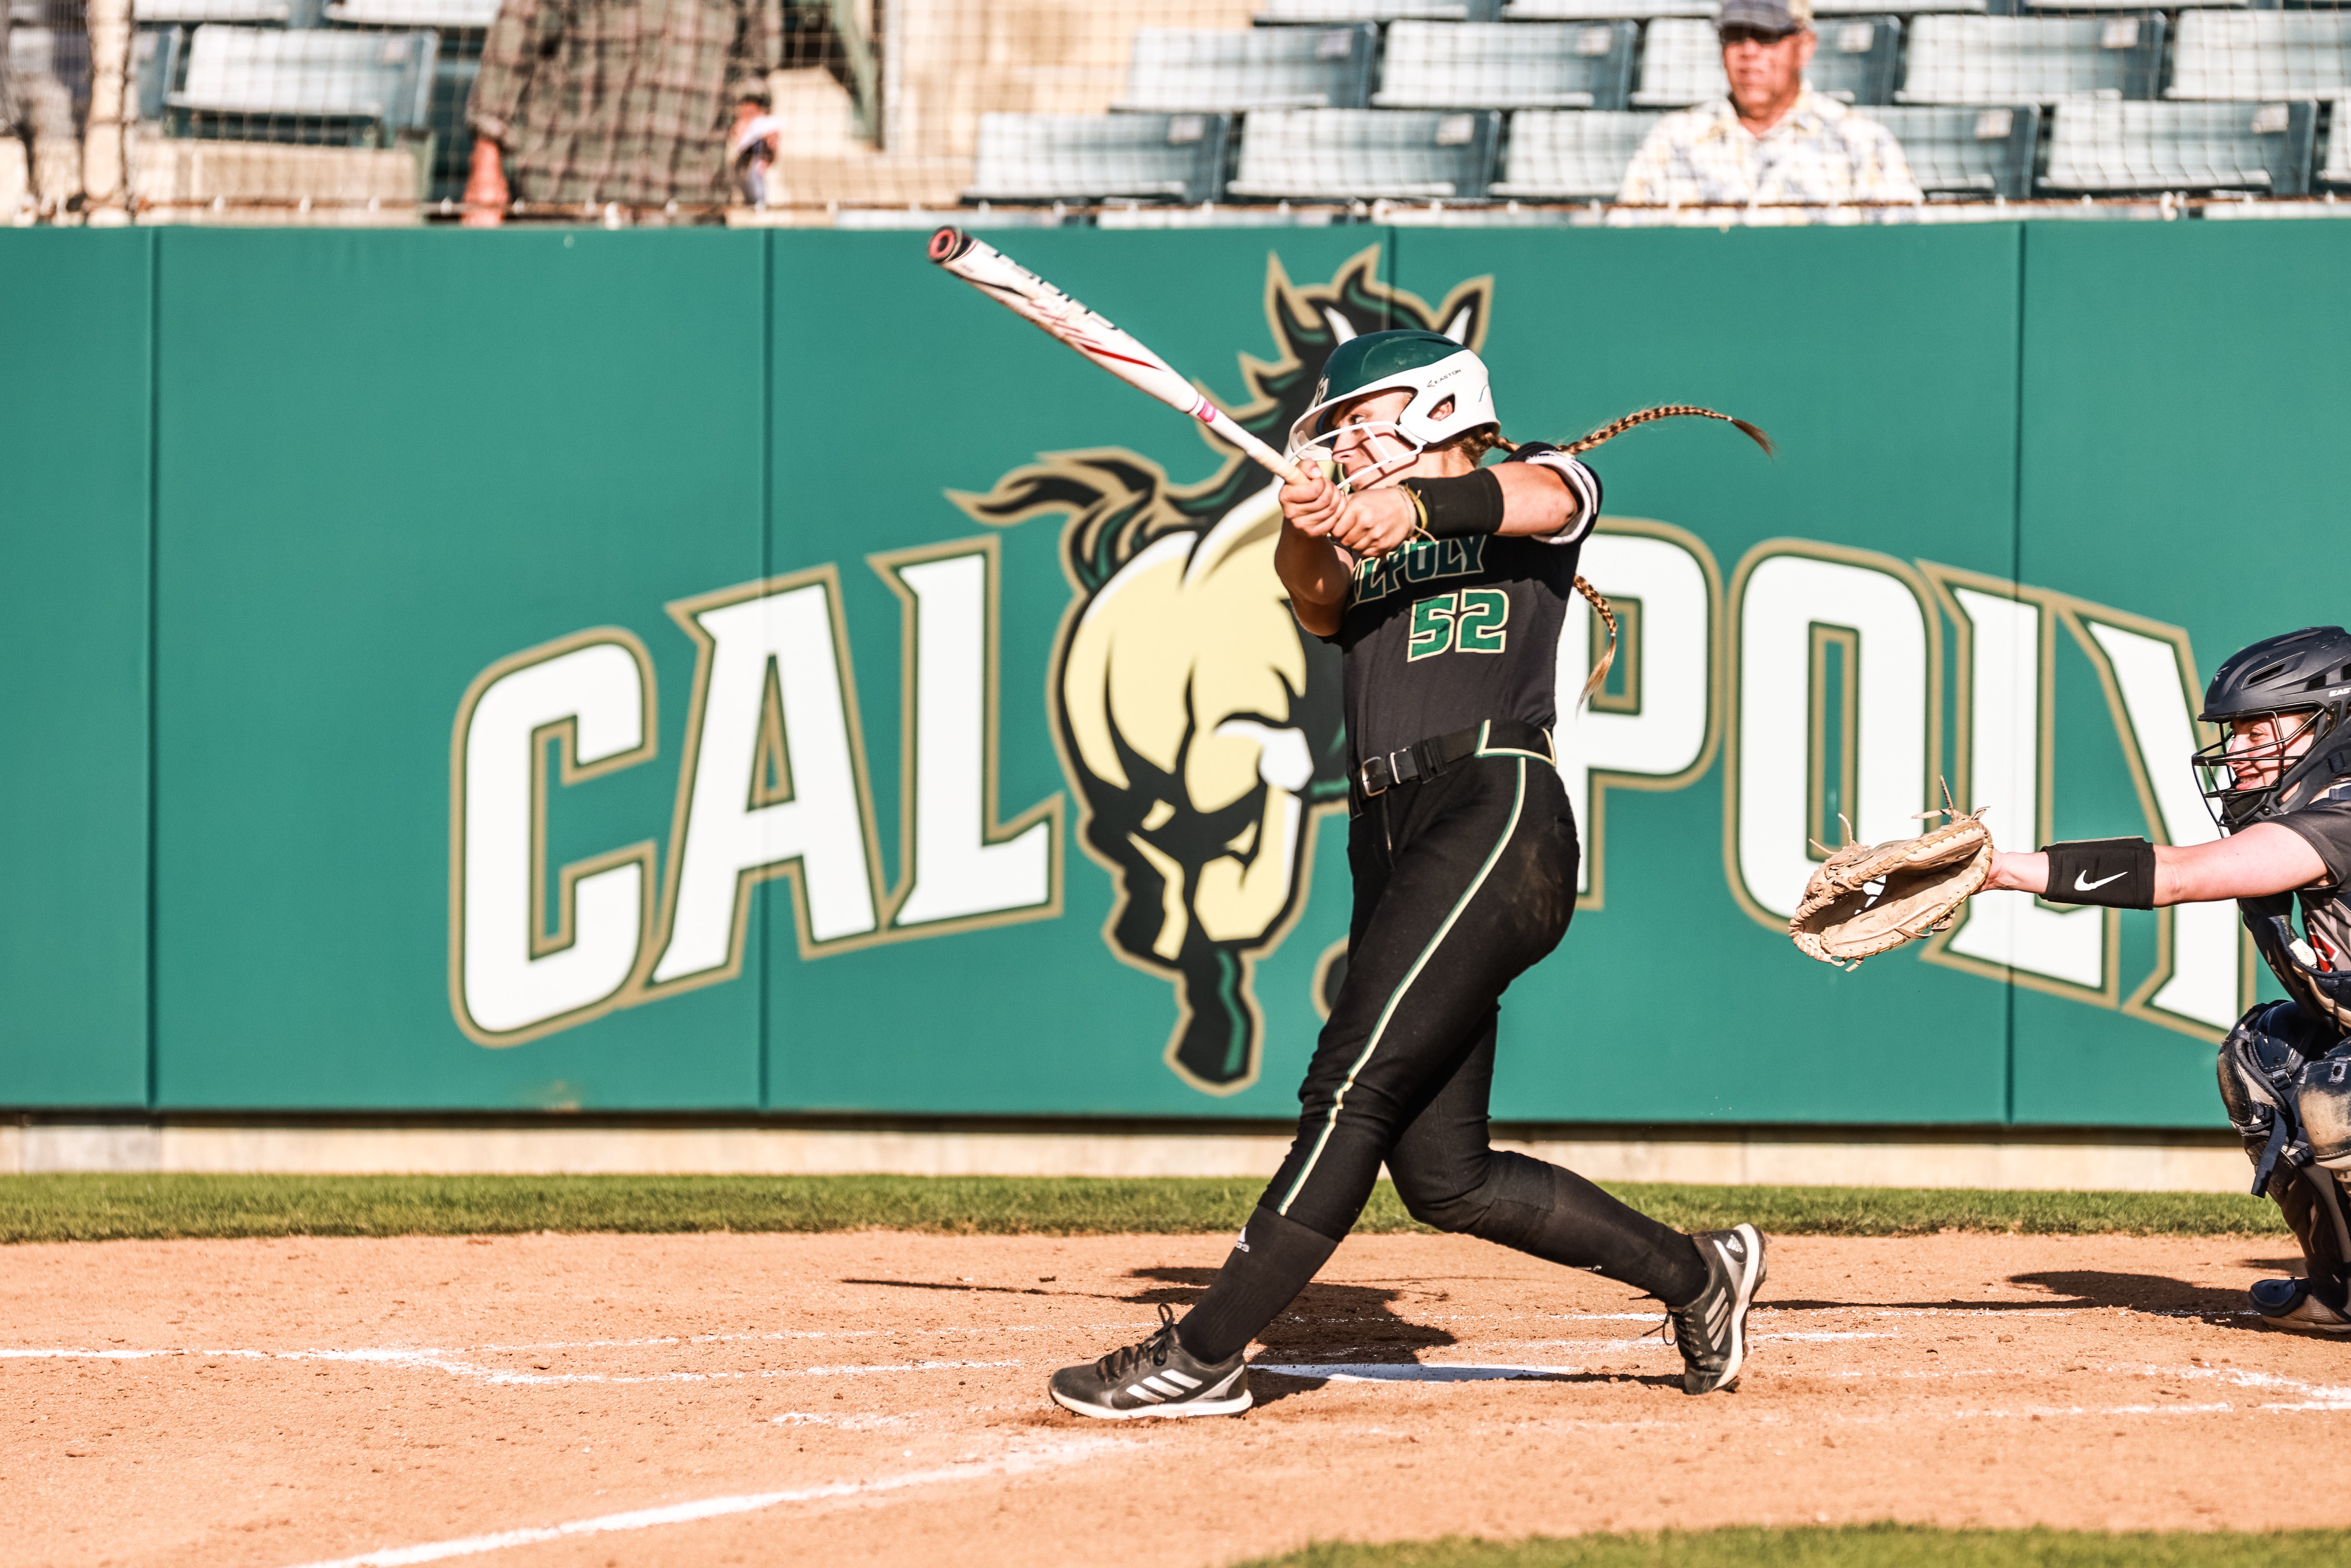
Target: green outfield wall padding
(2182,456)
(717,671)
(75,407)
(390,462)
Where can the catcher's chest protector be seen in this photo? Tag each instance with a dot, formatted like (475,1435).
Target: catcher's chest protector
(2314,968)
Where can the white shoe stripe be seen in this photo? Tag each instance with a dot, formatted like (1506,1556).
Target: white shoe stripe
(1163,1385)
(1137,1391)
(1178,1379)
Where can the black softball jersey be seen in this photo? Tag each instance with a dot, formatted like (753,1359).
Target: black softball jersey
(1445,633)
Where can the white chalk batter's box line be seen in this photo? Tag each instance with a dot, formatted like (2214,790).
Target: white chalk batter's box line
(1019,1462)
(2316,1397)
(435,1359)
(1029,1460)
(438,1361)
(2019,1312)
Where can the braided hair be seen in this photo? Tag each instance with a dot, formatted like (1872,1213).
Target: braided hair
(1669,411)
(1609,432)
(1475,443)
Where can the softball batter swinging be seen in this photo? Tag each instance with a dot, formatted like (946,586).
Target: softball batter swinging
(1445,586)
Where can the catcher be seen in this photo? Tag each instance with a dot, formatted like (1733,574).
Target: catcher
(1445,586)
(2279,784)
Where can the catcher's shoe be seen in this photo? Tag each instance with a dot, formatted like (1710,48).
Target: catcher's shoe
(1156,1377)
(2295,1304)
(1711,1332)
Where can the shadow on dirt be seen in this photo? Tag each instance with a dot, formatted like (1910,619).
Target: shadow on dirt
(1354,1325)
(966,1288)
(2220,1306)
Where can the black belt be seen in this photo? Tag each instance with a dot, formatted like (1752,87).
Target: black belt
(1426,759)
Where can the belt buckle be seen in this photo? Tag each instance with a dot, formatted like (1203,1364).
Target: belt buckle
(1385,774)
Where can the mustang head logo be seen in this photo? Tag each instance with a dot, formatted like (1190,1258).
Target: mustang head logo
(1201,727)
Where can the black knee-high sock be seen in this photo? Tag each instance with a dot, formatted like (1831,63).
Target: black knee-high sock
(1268,1267)
(1556,1215)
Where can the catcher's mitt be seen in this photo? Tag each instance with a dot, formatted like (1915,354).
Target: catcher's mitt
(1920,884)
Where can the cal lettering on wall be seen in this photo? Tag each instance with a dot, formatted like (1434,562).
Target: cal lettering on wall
(1791,600)
(774,778)
(958,862)
(1654,725)
(592,696)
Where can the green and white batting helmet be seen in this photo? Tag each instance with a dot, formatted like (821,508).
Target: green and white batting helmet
(1435,369)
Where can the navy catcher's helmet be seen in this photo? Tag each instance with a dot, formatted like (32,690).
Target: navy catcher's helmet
(2301,679)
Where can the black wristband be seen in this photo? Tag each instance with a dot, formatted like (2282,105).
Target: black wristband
(2116,871)
(1451,508)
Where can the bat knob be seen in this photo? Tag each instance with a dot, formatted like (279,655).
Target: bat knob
(948,244)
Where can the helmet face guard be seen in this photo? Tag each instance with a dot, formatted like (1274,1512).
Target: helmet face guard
(2300,681)
(2242,783)
(1451,396)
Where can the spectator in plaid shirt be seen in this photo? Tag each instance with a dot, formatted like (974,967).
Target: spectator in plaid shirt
(630,101)
(1773,139)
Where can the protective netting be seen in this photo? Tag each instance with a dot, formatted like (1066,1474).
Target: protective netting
(1146,112)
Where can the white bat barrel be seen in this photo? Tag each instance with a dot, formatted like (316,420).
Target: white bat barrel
(1092,334)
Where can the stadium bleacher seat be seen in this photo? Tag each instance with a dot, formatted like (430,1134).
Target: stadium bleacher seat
(1345,154)
(2106,146)
(1908,7)
(1100,157)
(1604,10)
(1191,70)
(1570,156)
(1971,151)
(154,67)
(284,12)
(463,27)
(2030,59)
(381,77)
(413,13)
(2336,170)
(1506,65)
(1681,62)
(2261,55)
(1317,13)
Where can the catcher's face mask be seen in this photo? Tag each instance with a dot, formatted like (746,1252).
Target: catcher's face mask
(2245,768)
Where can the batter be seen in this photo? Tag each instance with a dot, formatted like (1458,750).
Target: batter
(1445,586)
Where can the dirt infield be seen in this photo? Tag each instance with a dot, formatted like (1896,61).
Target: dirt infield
(693,1399)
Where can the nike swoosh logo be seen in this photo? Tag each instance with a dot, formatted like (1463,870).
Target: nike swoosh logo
(2083,884)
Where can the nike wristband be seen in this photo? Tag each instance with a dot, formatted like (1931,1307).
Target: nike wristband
(2116,871)
(1453,508)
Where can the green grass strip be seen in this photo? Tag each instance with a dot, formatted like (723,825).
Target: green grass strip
(167,1207)
(1850,1546)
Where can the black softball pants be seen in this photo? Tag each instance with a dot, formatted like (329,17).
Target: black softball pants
(1461,880)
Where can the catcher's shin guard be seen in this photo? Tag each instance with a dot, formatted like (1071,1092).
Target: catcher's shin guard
(2260,1071)
(2292,1106)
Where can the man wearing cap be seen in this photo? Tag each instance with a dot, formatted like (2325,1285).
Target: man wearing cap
(1773,140)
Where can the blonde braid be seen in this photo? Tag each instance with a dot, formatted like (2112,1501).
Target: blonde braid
(1607,615)
(1608,433)
(1669,411)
